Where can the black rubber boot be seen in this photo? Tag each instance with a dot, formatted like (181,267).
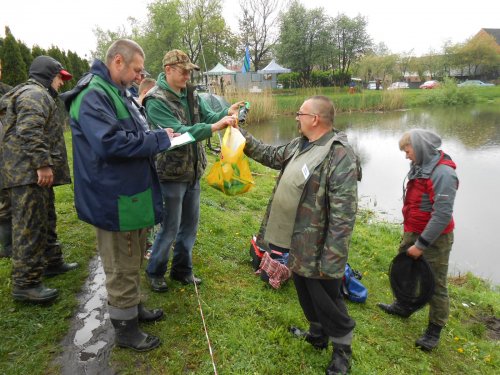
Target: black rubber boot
(59,269)
(316,339)
(146,315)
(341,360)
(430,338)
(128,335)
(37,294)
(396,309)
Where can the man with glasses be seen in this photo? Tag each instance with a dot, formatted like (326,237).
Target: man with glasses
(175,104)
(311,216)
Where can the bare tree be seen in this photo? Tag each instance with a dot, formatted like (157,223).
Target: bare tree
(258,28)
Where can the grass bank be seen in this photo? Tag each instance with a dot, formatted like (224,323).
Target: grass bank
(247,321)
(288,101)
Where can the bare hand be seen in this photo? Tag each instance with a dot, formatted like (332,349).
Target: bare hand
(234,109)
(45,176)
(171,134)
(414,252)
(224,123)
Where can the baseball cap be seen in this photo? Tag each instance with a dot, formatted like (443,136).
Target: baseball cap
(177,57)
(65,75)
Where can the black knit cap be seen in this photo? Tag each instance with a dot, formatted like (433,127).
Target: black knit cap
(412,281)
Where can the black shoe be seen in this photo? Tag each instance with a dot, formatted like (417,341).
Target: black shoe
(59,269)
(158,284)
(430,339)
(318,341)
(396,309)
(341,360)
(38,294)
(128,335)
(146,315)
(185,280)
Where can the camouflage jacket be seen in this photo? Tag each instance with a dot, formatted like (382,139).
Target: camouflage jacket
(32,136)
(183,113)
(327,207)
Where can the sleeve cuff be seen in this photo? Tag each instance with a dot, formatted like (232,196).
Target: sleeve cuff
(422,243)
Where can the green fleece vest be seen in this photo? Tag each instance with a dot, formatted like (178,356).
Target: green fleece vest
(290,188)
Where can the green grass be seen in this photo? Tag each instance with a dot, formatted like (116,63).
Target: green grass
(288,101)
(246,319)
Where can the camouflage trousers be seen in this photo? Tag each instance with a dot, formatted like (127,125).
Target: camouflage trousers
(34,238)
(5,226)
(437,255)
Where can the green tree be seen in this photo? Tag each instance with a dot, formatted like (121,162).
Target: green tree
(404,65)
(14,70)
(37,51)
(25,53)
(205,35)
(301,34)
(350,41)
(258,29)
(104,40)
(481,55)
(160,33)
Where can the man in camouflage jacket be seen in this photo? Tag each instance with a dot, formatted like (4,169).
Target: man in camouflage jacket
(311,215)
(33,158)
(5,226)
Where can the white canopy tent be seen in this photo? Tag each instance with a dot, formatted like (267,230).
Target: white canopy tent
(219,70)
(273,68)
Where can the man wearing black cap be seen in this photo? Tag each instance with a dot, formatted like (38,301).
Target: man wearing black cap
(428,224)
(33,158)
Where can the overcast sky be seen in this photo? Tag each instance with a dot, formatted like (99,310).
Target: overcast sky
(419,25)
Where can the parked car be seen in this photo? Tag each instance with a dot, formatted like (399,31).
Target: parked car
(398,85)
(474,82)
(429,85)
(279,86)
(372,85)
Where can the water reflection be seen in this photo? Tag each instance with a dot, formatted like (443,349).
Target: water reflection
(471,136)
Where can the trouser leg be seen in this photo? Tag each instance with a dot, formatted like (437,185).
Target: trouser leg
(5,225)
(182,262)
(438,255)
(172,193)
(53,252)
(322,302)
(121,255)
(29,233)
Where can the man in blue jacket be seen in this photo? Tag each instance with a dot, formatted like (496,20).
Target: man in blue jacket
(116,186)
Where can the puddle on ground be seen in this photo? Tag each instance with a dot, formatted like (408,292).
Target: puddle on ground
(88,344)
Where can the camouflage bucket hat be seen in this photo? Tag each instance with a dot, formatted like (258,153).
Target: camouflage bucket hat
(177,57)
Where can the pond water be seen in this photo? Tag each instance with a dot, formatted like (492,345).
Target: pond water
(471,136)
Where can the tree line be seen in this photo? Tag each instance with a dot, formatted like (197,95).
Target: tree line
(320,49)
(16,58)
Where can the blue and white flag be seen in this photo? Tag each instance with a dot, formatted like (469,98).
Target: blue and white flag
(246,62)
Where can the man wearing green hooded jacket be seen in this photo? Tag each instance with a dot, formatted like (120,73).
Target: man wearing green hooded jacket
(173,103)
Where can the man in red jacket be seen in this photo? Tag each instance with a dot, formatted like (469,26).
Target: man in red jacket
(428,223)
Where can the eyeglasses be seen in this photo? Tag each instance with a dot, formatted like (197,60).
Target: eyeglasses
(182,71)
(298,114)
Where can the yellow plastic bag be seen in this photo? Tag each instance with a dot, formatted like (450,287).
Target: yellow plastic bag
(231,172)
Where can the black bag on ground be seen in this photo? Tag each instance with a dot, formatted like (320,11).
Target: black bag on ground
(412,281)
